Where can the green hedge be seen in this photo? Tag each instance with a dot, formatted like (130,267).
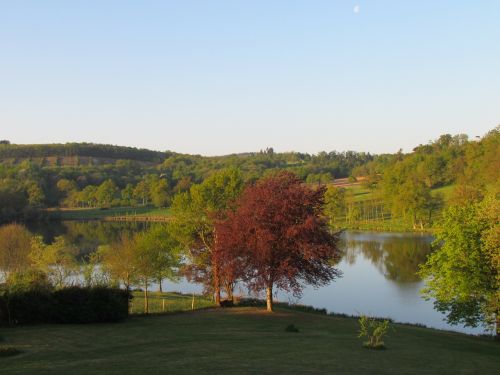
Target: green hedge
(68,305)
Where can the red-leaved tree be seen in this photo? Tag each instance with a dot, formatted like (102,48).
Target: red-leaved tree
(277,237)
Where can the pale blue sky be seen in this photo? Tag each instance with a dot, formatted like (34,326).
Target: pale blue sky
(215,77)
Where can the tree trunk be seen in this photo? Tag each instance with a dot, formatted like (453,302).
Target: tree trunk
(230,292)
(269,298)
(159,283)
(217,294)
(216,284)
(146,302)
(497,336)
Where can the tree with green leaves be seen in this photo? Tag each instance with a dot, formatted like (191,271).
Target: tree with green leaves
(57,260)
(335,203)
(195,213)
(105,193)
(15,246)
(463,274)
(118,259)
(160,193)
(157,257)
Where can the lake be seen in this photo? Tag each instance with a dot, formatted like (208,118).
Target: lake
(378,272)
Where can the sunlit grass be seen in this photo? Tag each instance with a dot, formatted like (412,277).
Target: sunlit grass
(243,340)
(168,302)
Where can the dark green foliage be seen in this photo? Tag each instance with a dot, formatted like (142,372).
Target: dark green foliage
(254,302)
(79,149)
(291,328)
(8,351)
(68,305)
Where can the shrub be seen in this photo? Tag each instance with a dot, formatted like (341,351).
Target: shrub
(291,328)
(374,330)
(8,351)
(68,305)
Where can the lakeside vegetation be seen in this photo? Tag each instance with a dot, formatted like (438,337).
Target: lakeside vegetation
(241,340)
(139,213)
(379,192)
(267,231)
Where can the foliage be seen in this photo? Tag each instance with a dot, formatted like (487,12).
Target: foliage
(29,279)
(67,305)
(335,202)
(118,259)
(278,236)
(8,351)
(78,149)
(291,328)
(193,226)
(374,330)
(156,257)
(463,274)
(15,246)
(57,260)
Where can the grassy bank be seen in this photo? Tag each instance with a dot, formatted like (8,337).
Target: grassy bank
(168,302)
(111,213)
(243,340)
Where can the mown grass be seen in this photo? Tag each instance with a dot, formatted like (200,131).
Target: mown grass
(242,340)
(168,302)
(445,191)
(97,213)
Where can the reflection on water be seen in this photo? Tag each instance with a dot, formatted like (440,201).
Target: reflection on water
(379,271)
(396,256)
(88,235)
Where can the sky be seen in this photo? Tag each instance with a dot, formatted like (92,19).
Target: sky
(219,77)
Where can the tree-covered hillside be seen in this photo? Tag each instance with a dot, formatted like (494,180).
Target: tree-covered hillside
(397,185)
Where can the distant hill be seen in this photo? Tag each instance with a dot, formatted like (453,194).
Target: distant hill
(74,154)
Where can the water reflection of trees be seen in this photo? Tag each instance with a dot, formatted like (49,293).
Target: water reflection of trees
(87,236)
(396,257)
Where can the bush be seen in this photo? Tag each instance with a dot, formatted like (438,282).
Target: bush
(68,305)
(8,351)
(291,328)
(374,330)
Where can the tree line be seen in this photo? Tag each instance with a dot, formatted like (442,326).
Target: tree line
(403,186)
(284,243)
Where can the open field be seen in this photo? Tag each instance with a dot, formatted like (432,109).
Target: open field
(244,340)
(112,213)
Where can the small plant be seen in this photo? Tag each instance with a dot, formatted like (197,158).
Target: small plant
(8,351)
(374,331)
(291,328)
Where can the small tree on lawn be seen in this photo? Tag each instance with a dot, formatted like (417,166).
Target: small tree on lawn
(279,236)
(118,260)
(156,257)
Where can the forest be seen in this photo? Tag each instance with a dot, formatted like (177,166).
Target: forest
(399,191)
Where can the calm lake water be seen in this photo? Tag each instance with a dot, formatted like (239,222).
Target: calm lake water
(379,272)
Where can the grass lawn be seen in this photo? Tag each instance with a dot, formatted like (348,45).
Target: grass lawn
(96,213)
(168,302)
(446,191)
(243,340)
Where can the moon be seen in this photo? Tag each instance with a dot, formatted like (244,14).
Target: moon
(356,9)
